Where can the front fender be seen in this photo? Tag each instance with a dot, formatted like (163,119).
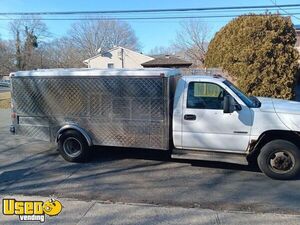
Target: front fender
(291,121)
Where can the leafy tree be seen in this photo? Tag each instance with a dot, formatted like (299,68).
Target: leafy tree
(258,51)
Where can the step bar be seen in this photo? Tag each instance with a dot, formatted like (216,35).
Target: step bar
(228,157)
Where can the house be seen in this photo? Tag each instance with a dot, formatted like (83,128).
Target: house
(117,57)
(167,61)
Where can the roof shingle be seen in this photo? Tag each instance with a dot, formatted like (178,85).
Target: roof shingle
(167,61)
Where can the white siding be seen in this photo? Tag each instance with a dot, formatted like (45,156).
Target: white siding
(131,59)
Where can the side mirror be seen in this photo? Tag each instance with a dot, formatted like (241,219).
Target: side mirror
(230,105)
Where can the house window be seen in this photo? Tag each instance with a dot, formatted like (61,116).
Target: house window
(110,65)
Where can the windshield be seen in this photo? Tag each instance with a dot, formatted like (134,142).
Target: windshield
(251,102)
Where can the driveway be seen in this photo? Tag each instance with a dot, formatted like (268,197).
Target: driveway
(4,89)
(32,167)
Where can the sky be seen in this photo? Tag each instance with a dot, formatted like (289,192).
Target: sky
(151,34)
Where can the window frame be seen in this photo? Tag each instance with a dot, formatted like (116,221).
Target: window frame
(187,96)
(110,64)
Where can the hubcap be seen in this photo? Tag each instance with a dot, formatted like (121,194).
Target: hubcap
(72,147)
(281,161)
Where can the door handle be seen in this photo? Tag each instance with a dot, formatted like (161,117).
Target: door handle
(189,117)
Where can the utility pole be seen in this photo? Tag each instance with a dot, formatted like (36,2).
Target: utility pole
(18,51)
(122,57)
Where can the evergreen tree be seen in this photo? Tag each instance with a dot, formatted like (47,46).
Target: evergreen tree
(258,51)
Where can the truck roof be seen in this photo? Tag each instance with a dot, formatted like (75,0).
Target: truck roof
(165,72)
(204,77)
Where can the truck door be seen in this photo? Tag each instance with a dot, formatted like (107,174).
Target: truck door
(206,127)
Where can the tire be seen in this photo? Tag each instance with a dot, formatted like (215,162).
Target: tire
(73,147)
(280,159)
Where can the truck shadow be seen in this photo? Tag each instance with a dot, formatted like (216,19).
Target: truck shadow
(114,153)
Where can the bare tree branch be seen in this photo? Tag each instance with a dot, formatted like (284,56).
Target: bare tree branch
(29,33)
(90,35)
(193,39)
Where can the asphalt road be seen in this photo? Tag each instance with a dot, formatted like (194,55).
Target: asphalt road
(32,167)
(4,89)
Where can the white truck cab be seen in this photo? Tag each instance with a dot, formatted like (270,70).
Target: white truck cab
(210,115)
(192,117)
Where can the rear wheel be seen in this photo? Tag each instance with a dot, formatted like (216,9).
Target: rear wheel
(73,147)
(280,159)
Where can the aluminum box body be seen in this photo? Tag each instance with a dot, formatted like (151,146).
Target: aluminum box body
(126,108)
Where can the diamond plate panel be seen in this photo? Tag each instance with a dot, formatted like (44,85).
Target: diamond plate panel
(37,132)
(156,134)
(141,108)
(116,111)
(42,96)
(34,121)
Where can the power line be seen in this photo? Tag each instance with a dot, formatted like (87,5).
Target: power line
(148,18)
(274,2)
(146,10)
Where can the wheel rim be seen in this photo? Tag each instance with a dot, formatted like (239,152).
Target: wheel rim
(72,147)
(281,161)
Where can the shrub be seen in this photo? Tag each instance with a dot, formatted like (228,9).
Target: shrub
(258,51)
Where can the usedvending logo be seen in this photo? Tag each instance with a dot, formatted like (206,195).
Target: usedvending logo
(31,210)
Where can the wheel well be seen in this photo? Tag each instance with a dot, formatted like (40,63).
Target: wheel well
(271,135)
(76,128)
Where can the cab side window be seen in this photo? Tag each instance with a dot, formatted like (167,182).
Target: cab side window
(203,95)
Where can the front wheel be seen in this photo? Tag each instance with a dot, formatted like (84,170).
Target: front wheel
(73,147)
(280,159)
